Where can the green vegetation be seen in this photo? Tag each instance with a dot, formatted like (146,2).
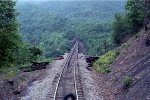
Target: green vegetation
(9,34)
(129,24)
(14,53)
(123,27)
(120,29)
(48,31)
(27,53)
(127,81)
(53,25)
(8,72)
(102,64)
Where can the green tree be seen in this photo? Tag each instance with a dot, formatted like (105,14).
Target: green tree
(120,29)
(127,25)
(135,14)
(9,37)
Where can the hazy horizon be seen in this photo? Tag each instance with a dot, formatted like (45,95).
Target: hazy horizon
(67,0)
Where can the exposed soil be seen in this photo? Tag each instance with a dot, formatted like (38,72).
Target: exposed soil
(13,88)
(134,62)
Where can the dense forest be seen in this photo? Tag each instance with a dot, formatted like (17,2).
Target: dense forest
(32,32)
(52,26)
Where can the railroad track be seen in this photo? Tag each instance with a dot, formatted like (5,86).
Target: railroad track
(69,81)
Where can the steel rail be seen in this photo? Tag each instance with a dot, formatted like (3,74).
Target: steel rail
(66,63)
(75,77)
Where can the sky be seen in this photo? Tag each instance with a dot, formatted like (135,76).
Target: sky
(70,0)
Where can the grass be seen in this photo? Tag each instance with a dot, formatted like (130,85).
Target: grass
(11,71)
(43,59)
(127,81)
(102,64)
(8,72)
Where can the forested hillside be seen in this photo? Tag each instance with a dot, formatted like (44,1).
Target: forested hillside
(126,67)
(51,26)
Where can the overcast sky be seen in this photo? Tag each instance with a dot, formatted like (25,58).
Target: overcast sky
(70,0)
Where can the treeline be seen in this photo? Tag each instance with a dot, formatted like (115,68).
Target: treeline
(80,10)
(129,24)
(51,25)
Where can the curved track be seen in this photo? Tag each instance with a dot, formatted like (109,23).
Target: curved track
(69,80)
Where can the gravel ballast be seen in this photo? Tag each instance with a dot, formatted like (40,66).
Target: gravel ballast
(41,88)
(90,87)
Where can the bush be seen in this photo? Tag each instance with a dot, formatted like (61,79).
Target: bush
(127,81)
(35,51)
(102,64)
(103,69)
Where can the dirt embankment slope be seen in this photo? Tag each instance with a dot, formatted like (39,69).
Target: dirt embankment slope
(134,62)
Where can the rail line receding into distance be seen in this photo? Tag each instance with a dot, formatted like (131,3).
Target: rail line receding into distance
(69,80)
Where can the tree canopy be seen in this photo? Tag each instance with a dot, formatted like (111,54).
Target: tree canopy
(129,24)
(9,33)
(88,21)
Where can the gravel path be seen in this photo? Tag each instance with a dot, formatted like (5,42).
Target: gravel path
(89,85)
(41,88)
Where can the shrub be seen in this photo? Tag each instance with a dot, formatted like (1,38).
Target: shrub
(127,81)
(102,64)
(35,51)
(103,69)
